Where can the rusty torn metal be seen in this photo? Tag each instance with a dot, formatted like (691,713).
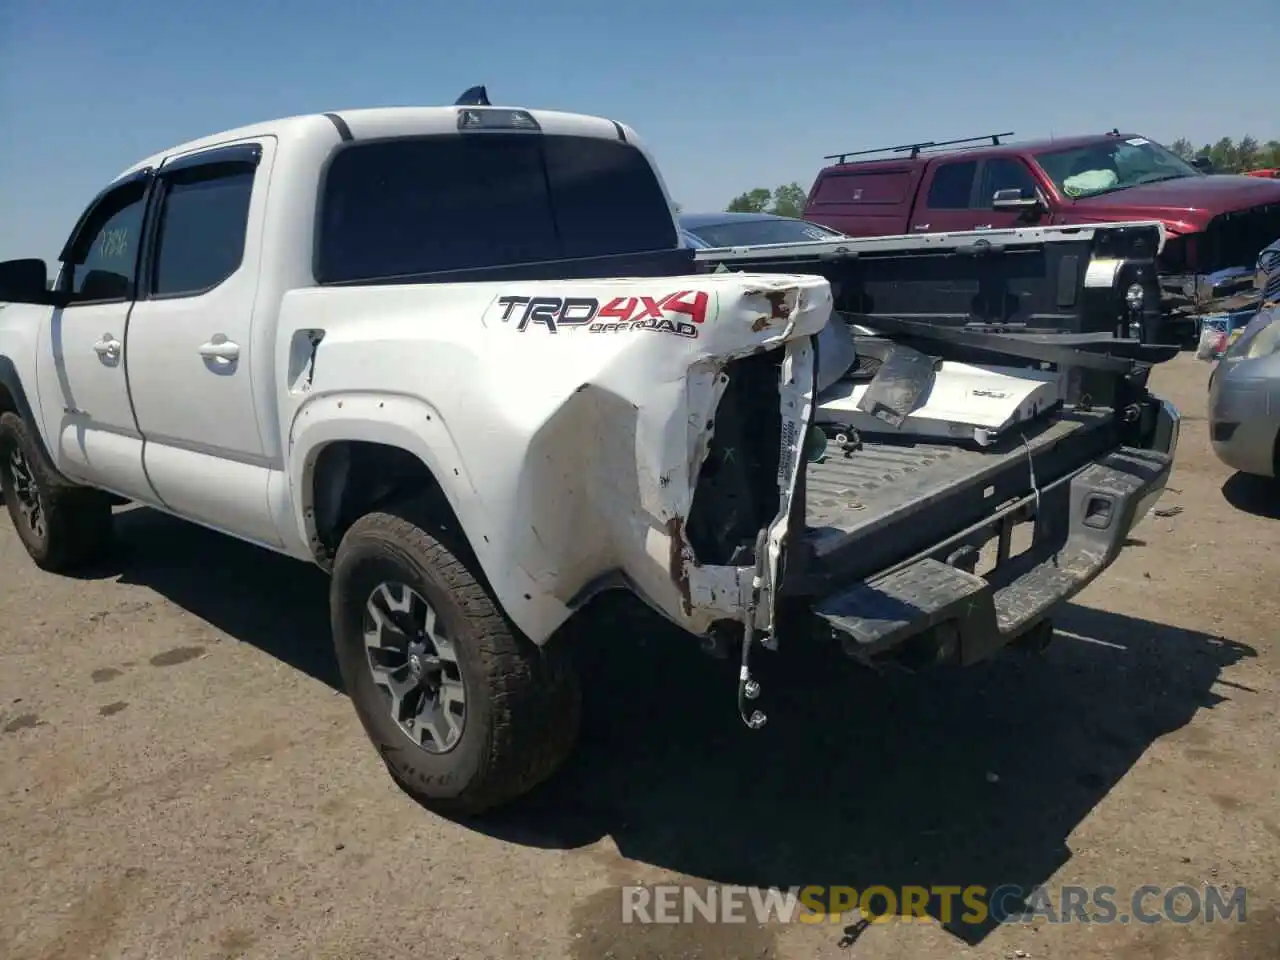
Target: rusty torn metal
(778,307)
(681,557)
(778,301)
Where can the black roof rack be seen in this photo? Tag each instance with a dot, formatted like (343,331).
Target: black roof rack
(915,148)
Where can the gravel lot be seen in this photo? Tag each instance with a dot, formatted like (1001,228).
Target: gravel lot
(182,779)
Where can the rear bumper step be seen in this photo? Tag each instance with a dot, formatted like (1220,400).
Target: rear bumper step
(967,616)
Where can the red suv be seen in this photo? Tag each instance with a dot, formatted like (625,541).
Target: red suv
(1213,222)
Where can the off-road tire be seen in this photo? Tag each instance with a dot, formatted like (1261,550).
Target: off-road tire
(523,703)
(77,520)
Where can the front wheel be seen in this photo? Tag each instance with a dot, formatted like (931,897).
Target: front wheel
(467,713)
(61,525)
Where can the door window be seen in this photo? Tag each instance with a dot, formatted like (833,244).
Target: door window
(952,186)
(102,262)
(1005,173)
(203,219)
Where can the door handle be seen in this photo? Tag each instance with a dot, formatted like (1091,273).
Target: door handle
(921,226)
(222,350)
(108,348)
(983,226)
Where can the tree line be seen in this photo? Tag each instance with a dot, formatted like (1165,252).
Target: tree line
(1232,156)
(786,201)
(1227,156)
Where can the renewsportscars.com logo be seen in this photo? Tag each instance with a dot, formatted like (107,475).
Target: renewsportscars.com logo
(969,905)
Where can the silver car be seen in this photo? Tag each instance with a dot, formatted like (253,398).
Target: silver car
(1244,398)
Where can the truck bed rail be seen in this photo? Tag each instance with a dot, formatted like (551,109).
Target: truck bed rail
(1083,278)
(957,240)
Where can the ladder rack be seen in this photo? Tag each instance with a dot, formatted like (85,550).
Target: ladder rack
(915,148)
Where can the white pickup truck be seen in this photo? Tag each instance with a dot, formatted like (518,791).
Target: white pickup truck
(455,356)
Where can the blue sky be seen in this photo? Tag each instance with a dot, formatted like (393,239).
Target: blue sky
(729,96)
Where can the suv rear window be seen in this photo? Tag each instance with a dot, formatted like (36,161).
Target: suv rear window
(465,202)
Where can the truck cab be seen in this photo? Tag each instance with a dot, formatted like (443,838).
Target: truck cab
(456,357)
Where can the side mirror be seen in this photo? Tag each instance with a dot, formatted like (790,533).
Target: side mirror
(1011,200)
(1203,164)
(24,281)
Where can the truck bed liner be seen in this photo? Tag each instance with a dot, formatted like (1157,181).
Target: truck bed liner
(942,487)
(880,483)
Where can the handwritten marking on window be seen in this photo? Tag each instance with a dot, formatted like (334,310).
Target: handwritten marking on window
(113,243)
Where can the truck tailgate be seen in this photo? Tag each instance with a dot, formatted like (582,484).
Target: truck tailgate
(936,596)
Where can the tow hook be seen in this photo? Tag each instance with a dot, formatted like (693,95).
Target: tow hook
(748,687)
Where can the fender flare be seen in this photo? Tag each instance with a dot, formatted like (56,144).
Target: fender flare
(411,424)
(12,383)
(392,420)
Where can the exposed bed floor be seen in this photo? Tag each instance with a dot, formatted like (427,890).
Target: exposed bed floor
(885,481)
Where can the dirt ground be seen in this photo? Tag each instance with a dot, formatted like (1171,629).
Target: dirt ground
(182,778)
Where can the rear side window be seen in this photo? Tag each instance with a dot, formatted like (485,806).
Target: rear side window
(202,228)
(952,185)
(447,203)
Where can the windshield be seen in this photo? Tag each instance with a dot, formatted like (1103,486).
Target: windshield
(1110,165)
(745,233)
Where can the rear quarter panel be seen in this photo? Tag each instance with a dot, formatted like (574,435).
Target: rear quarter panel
(566,450)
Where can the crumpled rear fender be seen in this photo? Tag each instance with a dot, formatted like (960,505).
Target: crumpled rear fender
(608,477)
(569,419)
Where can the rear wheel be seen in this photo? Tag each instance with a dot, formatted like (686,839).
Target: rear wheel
(467,713)
(61,525)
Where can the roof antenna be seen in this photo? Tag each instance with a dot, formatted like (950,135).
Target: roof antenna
(473,97)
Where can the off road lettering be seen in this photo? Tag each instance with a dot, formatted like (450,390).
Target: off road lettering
(510,303)
(541,310)
(619,308)
(680,328)
(550,312)
(620,313)
(578,311)
(691,303)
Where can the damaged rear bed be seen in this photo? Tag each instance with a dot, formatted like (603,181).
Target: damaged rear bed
(896,526)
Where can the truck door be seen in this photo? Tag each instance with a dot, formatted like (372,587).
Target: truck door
(193,358)
(1007,173)
(947,199)
(83,392)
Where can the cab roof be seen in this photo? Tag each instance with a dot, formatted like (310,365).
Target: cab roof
(377,122)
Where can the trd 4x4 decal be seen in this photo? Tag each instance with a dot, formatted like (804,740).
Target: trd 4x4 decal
(689,308)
